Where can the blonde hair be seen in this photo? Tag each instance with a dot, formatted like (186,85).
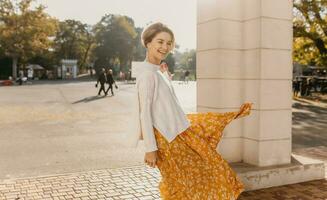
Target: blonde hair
(152,30)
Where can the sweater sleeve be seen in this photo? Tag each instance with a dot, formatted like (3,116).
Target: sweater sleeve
(146,92)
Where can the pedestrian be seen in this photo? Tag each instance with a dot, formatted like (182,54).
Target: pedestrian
(314,83)
(129,76)
(303,87)
(187,73)
(30,73)
(20,78)
(110,81)
(121,74)
(309,87)
(296,87)
(182,146)
(182,78)
(102,79)
(91,71)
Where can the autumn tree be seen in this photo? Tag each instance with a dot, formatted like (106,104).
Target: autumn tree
(24,31)
(310,32)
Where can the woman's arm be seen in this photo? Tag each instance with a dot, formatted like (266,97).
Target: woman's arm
(146,91)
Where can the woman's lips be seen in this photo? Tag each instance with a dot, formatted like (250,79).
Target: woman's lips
(162,53)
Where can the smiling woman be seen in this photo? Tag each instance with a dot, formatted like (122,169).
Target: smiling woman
(159,40)
(182,146)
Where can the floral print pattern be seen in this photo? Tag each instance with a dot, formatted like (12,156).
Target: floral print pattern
(190,166)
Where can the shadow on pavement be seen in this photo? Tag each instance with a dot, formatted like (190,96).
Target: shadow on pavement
(316,97)
(89,99)
(309,126)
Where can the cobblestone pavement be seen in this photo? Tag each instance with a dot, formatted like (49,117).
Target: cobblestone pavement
(138,182)
(311,190)
(141,182)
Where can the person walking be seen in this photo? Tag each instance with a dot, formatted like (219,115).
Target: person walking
(296,87)
(182,78)
(110,81)
(20,77)
(309,87)
(182,146)
(303,87)
(187,73)
(102,79)
(30,73)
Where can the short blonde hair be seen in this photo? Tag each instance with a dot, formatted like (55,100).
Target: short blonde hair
(152,30)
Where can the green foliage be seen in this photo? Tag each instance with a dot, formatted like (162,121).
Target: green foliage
(115,37)
(310,32)
(24,31)
(170,60)
(139,51)
(74,40)
(187,59)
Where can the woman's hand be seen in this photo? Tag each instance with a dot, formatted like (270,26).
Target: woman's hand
(164,68)
(150,158)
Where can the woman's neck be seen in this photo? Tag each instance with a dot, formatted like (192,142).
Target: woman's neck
(152,59)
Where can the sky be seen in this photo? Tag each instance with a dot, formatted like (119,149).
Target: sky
(179,15)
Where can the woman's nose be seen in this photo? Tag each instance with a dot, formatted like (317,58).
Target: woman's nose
(164,47)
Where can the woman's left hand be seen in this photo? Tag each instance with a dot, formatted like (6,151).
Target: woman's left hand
(163,68)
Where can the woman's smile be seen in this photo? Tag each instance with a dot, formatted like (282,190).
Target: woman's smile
(164,53)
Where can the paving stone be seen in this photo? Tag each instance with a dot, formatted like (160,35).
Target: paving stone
(136,187)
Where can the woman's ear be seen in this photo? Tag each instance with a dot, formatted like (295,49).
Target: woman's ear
(148,45)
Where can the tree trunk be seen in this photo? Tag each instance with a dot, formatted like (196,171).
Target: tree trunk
(14,67)
(86,54)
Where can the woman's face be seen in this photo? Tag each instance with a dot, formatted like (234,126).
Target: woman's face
(160,46)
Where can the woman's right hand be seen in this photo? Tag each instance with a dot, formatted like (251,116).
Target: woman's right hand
(164,68)
(150,158)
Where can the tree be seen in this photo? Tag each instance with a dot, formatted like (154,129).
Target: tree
(24,31)
(170,60)
(115,38)
(310,32)
(187,59)
(74,40)
(139,50)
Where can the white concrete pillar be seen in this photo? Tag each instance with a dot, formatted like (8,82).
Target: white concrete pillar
(244,54)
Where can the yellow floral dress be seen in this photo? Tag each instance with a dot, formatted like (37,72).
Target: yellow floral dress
(190,166)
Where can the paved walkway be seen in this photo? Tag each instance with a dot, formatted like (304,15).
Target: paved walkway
(141,183)
(45,150)
(311,190)
(137,182)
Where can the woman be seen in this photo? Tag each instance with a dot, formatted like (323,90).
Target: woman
(182,146)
